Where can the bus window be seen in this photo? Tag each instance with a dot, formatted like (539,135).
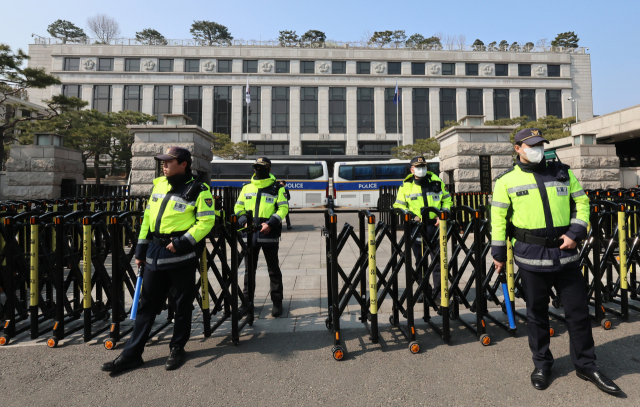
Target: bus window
(346,172)
(235,171)
(279,170)
(315,171)
(362,172)
(434,167)
(298,171)
(396,171)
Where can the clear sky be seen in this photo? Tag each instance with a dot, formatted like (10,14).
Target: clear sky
(611,29)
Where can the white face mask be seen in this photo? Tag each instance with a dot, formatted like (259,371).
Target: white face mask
(420,171)
(534,154)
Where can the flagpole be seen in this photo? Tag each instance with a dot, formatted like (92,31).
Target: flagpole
(397,115)
(245,99)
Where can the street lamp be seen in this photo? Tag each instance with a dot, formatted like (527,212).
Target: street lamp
(576,102)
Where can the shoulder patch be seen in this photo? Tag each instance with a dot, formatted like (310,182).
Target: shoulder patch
(505,173)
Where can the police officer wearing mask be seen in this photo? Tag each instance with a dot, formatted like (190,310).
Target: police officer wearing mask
(422,188)
(176,220)
(265,198)
(542,208)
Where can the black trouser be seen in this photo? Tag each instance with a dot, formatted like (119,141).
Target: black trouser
(417,253)
(288,220)
(275,275)
(569,285)
(155,286)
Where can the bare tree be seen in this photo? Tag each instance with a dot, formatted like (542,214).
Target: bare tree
(439,35)
(105,28)
(366,36)
(449,41)
(542,42)
(461,40)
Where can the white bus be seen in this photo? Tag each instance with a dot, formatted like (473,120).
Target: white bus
(307,181)
(356,183)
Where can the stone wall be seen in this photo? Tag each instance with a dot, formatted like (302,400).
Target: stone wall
(595,166)
(150,141)
(36,172)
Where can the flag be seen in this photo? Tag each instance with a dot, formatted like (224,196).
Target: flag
(247,95)
(396,96)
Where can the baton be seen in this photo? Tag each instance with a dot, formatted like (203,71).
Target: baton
(507,300)
(136,295)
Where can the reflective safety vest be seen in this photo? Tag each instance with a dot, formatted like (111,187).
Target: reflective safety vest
(544,204)
(414,197)
(266,200)
(168,215)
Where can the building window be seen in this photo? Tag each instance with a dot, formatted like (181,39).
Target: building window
(524,69)
(501,108)
(554,103)
(394,68)
(254,110)
(471,69)
(553,71)
(447,106)
(222,109)
(162,102)
(392,112)
(72,91)
(376,149)
(271,149)
(133,98)
(421,123)
(448,69)
(365,110)
(528,103)
(307,67)
(474,102)
(338,67)
(102,98)
(71,64)
(337,110)
(193,104)
(224,65)
(363,68)
(105,64)
(132,65)
(192,65)
(165,65)
(282,66)
(250,66)
(322,149)
(280,110)
(308,110)
(417,68)
(502,69)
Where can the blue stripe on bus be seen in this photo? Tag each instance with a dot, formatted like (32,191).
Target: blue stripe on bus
(291,184)
(364,185)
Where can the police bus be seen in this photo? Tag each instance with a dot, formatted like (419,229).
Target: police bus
(307,181)
(356,183)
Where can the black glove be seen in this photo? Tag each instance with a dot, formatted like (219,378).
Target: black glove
(182,245)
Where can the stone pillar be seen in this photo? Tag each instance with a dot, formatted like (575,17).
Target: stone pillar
(514,102)
(461,102)
(323,110)
(265,109)
(595,166)
(87,95)
(461,148)
(178,99)
(153,140)
(407,115)
(352,120)
(207,107)
(147,99)
(295,145)
(541,103)
(36,172)
(434,111)
(237,106)
(378,109)
(117,98)
(487,104)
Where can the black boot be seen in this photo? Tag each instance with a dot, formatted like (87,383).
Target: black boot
(176,358)
(276,311)
(540,378)
(600,380)
(121,364)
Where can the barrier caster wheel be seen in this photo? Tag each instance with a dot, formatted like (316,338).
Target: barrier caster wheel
(606,324)
(485,340)
(106,317)
(414,347)
(52,342)
(605,297)
(391,320)
(555,303)
(552,332)
(338,353)
(327,323)
(110,344)
(4,340)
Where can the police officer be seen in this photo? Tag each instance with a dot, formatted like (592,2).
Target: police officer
(264,197)
(422,188)
(179,215)
(287,195)
(543,209)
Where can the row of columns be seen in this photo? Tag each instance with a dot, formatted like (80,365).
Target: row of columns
(351,137)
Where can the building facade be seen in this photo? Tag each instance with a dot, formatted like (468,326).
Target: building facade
(319,101)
